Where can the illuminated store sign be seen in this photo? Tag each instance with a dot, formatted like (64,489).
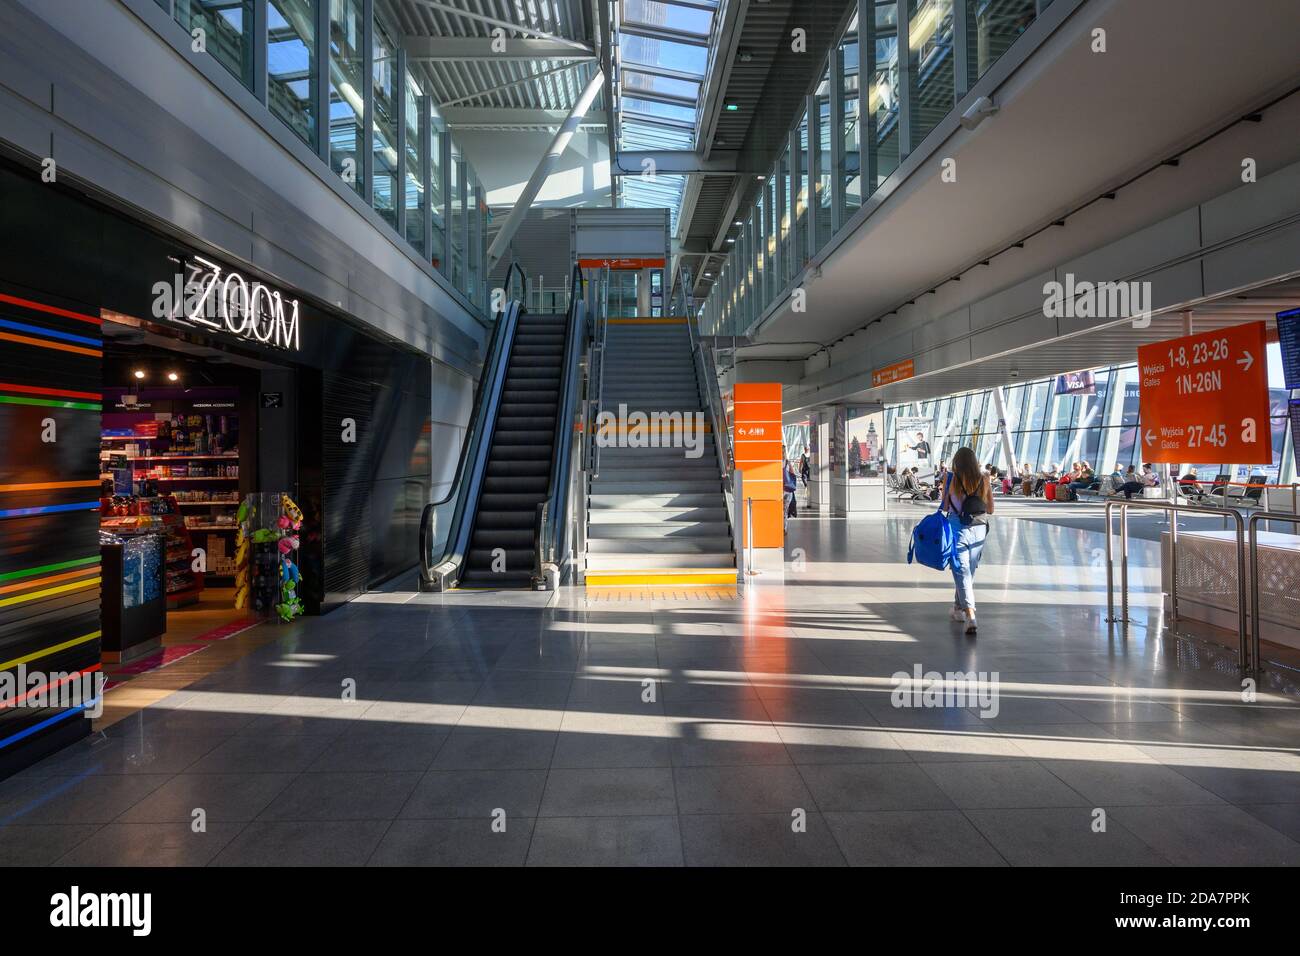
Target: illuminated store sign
(212,297)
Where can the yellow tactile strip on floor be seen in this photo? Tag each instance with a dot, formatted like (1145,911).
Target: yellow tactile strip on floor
(607,595)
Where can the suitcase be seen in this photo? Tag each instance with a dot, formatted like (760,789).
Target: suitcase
(1049,491)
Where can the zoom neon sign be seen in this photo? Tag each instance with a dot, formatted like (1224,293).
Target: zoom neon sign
(210,296)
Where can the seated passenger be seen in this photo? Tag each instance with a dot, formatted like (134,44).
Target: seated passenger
(1131,485)
(1190,486)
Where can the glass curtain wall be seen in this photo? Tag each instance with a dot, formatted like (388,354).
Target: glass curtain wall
(224,28)
(413,191)
(1047,429)
(895,79)
(850,123)
(930,64)
(384,141)
(315,60)
(347,67)
(291,65)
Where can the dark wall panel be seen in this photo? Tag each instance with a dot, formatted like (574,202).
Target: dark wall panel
(50,367)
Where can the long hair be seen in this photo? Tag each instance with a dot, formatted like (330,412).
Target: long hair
(966,475)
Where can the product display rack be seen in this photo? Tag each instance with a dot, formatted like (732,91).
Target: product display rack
(189,455)
(160,515)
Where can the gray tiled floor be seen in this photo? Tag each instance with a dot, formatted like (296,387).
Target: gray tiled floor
(498,729)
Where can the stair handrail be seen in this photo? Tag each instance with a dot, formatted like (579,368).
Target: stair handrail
(496,358)
(706,369)
(553,512)
(600,329)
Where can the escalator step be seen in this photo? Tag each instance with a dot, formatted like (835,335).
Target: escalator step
(512,520)
(542,424)
(530,396)
(519,455)
(529,443)
(521,538)
(480,559)
(509,500)
(517,485)
(526,409)
(520,469)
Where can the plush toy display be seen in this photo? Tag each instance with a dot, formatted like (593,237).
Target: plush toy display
(268,572)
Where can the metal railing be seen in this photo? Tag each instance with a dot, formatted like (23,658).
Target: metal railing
(1257,619)
(1244,658)
(599,302)
(439,552)
(706,371)
(555,515)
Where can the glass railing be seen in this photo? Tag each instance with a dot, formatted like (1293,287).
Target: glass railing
(861,138)
(382,155)
(445,524)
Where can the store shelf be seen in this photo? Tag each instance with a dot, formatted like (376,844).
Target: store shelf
(207,504)
(211,527)
(188,478)
(183,458)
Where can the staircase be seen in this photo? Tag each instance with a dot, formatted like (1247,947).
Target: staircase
(655,516)
(519,461)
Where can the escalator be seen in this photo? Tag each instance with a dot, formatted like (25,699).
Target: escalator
(503,543)
(513,476)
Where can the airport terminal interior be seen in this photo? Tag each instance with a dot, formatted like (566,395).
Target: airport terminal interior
(649,433)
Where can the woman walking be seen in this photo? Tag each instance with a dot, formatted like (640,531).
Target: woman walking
(969,501)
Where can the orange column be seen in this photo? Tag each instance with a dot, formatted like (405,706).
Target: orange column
(758,446)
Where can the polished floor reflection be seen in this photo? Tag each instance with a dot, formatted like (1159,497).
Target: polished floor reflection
(514,729)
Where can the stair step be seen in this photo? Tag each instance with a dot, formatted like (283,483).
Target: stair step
(668,514)
(634,561)
(600,486)
(598,501)
(662,530)
(667,474)
(694,547)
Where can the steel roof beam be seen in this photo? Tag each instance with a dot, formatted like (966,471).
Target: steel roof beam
(674,161)
(480,48)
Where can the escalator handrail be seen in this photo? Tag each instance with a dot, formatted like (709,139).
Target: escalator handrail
(550,518)
(493,374)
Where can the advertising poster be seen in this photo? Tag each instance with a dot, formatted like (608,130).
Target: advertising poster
(912,441)
(866,444)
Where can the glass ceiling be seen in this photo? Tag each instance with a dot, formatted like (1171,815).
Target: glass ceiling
(665,52)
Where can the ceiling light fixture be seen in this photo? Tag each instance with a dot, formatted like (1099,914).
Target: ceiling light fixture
(173,377)
(139,373)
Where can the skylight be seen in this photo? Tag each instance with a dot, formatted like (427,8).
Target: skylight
(665,52)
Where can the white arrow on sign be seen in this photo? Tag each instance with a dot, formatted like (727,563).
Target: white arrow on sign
(1246,361)
(1150,437)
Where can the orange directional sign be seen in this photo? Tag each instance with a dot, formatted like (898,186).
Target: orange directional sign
(1205,398)
(758,444)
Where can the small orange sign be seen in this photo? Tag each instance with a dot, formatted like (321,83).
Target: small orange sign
(892,373)
(1205,398)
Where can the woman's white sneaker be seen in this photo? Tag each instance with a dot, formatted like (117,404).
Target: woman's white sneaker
(970,624)
(957,614)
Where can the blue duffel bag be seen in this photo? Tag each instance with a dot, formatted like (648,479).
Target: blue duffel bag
(933,539)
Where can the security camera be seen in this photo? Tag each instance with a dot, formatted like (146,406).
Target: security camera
(977,112)
(1015,374)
